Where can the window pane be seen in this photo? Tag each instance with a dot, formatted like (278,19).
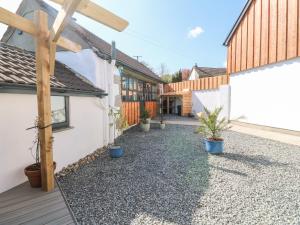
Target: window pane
(134,96)
(134,84)
(130,84)
(129,95)
(58,108)
(124,80)
(140,86)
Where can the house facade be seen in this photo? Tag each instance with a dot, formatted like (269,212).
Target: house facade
(78,107)
(264,64)
(137,86)
(201,72)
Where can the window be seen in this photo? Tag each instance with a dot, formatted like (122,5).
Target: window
(60,111)
(137,90)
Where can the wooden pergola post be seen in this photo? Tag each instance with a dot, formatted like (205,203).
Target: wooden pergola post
(42,49)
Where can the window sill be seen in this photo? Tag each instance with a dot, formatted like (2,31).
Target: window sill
(62,129)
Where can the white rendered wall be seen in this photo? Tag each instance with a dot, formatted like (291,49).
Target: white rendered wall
(212,99)
(19,113)
(268,95)
(194,75)
(97,71)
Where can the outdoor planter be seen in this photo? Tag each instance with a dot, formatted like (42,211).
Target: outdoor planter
(145,120)
(145,127)
(33,172)
(162,126)
(212,126)
(116,151)
(214,146)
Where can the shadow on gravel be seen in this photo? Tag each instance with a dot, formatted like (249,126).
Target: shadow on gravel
(252,160)
(229,171)
(160,180)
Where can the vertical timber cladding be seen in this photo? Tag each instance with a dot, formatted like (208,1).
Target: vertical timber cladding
(271,30)
(151,107)
(131,112)
(186,103)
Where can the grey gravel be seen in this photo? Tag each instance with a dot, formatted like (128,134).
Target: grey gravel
(166,177)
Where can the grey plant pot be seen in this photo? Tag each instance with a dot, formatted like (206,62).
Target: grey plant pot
(162,126)
(145,127)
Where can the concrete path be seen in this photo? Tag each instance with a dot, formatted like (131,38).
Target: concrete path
(281,137)
(244,128)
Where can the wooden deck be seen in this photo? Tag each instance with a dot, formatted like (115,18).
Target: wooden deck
(25,205)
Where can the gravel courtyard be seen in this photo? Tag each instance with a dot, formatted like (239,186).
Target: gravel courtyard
(166,177)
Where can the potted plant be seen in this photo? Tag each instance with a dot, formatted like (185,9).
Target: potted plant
(120,123)
(212,127)
(162,125)
(145,120)
(33,171)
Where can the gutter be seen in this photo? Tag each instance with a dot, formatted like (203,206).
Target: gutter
(29,89)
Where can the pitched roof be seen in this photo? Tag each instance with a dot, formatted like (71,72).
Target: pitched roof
(102,47)
(209,71)
(17,69)
(237,22)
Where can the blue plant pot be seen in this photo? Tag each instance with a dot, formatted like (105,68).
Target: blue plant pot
(214,147)
(116,151)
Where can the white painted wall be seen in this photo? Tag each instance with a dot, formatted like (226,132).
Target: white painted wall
(194,75)
(268,95)
(211,99)
(98,71)
(69,145)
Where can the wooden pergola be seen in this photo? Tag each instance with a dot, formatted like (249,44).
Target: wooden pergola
(45,49)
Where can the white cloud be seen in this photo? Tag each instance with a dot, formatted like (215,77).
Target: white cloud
(195,32)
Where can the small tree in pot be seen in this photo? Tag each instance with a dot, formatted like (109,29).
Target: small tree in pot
(212,127)
(120,123)
(33,171)
(145,120)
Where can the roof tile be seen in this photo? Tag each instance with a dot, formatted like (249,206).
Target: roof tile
(22,72)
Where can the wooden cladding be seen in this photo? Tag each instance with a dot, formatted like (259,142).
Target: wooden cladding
(269,32)
(199,84)
(131,111)
(151,107)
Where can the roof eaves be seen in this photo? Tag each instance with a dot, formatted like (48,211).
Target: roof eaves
(237,22)
(27,88)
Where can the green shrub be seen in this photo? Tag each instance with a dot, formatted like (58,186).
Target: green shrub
(211,126)
(144,116)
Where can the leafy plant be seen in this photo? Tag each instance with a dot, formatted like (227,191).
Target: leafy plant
(211,126)
(144,116)
(119,119)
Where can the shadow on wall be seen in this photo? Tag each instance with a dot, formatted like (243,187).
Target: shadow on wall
(161,178)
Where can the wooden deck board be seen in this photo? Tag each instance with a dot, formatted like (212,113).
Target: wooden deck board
(26,205)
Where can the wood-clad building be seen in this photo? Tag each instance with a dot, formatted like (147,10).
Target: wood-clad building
(267,31)
(264,64)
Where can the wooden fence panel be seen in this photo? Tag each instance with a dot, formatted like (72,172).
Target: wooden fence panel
(199,84)
(151,107)
(131,111)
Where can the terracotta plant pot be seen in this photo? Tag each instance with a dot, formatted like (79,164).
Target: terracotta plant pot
(33,172)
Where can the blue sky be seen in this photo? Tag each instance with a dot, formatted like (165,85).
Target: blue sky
(178,33)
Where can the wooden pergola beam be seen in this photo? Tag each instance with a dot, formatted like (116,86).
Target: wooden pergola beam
(29,27)
(99,14)
(68,8)
(59,24)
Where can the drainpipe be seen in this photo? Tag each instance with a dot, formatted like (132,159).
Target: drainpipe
(111,94)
